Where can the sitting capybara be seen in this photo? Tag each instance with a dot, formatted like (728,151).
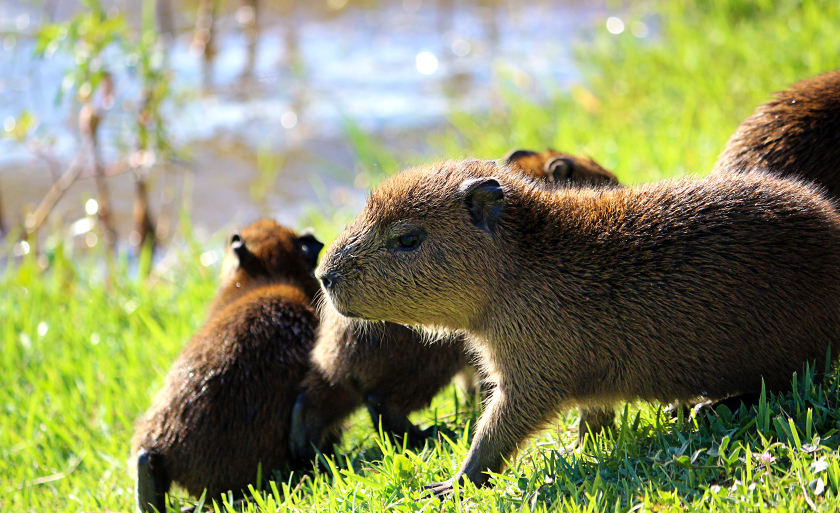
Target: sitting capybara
(225,409)
(579,297)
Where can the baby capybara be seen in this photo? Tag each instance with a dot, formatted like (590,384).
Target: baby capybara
(580,297)
(389,368)
(225,409)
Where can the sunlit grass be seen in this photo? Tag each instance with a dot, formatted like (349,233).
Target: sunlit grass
(663,105)
(82,360)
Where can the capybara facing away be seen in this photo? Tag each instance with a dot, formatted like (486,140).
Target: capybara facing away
(225,408)
(582,297)
(796,134)
(389,367)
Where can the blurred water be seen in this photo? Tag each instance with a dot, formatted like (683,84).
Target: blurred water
(312,66)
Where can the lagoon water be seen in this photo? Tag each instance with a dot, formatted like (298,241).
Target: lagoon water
(285,97)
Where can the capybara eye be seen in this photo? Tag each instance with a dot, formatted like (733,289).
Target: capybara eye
(408,241)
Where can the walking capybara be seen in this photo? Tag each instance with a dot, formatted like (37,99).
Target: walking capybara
(225,409)
(389,367)
(582,297)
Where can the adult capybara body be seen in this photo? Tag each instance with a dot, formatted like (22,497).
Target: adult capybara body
(225,408)
(581,297)
(390,368)
(796,134)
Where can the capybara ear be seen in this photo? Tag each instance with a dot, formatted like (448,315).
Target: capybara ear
(559,168)
(513,156)
(484,200)
(310,247)
(237,244)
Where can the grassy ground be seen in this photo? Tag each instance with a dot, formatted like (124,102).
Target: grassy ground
(81,361)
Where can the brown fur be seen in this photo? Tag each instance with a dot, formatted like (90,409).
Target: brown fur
(554,167)
(581,297)
(796,134)
(389,367)
(226,404)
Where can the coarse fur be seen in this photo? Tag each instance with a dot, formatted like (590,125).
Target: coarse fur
(387,366)
(225,408)
(582,297)
(554,167)
(796,134)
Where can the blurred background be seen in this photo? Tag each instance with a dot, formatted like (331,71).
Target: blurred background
(122,118)
(232,110)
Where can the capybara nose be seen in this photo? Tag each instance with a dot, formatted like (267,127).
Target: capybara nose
(328,280)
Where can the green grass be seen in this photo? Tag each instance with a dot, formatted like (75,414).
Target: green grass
(666,104)
(81,360)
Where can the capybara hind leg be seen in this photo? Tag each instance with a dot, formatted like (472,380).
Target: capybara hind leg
(733,403)
(593,420)
(396,424)
(317,416)
(152,483)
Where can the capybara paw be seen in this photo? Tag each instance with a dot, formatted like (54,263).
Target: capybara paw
(440,490)
(418,439)
(300,446)
(570,448)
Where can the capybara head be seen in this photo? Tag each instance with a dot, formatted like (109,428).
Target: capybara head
(424,248)
(561,169)
(266,251)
